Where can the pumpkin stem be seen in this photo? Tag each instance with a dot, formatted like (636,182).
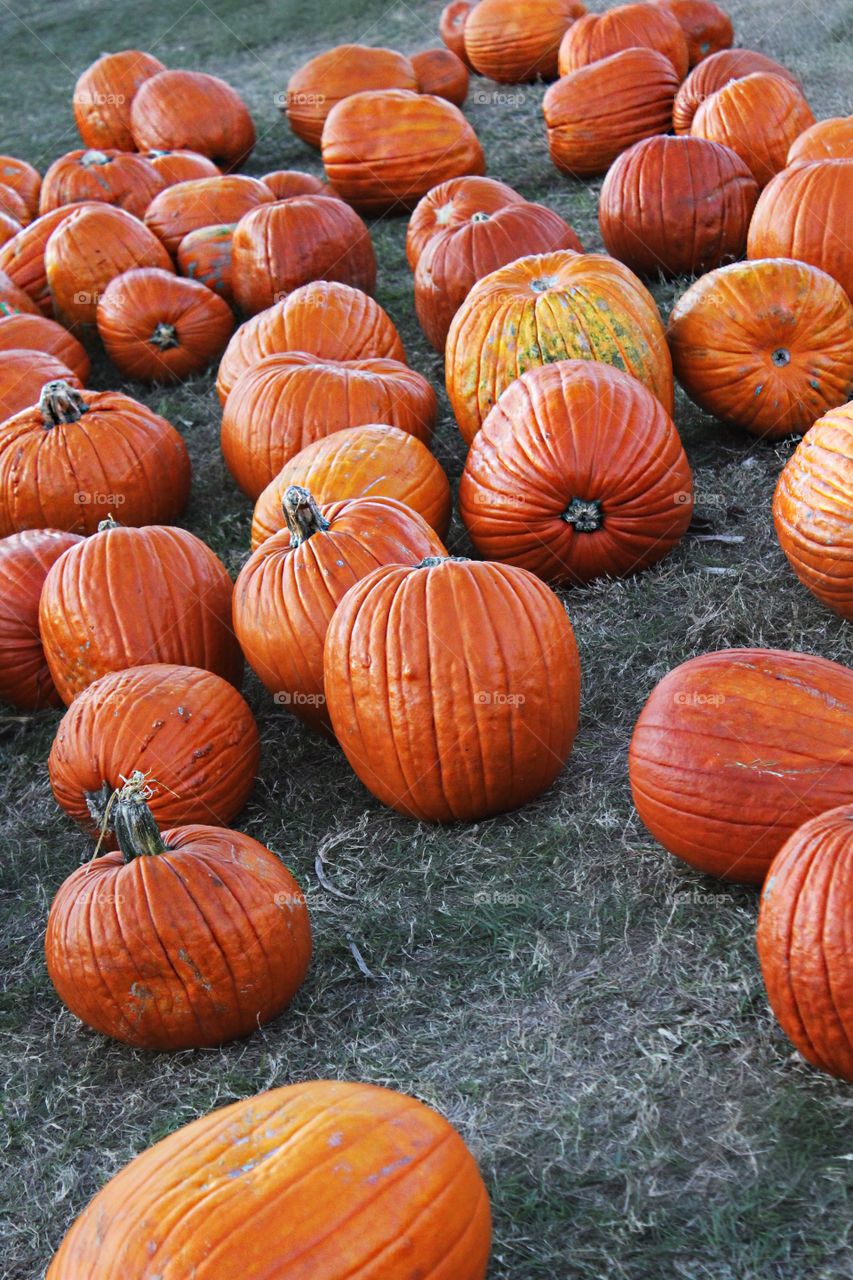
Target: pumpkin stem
(429,562)
(164,336)
(302,515)
(584,514)
(109,523)
(60,403)
(134,824)
(94,157)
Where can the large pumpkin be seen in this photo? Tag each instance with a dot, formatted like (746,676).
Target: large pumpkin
(626,26)
(206,255)
(181,166)
(403,1197)
(758,117)
(75,455)
(129,597)
(453,687)
(558,306)
(281,246)
(734,750)
(513,41)
(322,82)
(286,401)
(111,177)
(803,940)
(23,178)
(23,373)
(192,111)
(324,318)
(22,257)
(451,27)
(103,96)
(23,331)
(813,510)
(825,140)
(676,206)
(188,731)
(441,72)
(372,461)
(25,559)
(707,28)
(806,212)
(286,593)
(203,202)
(594,113)
(714,73)
(577,473)
(454,204)
(384,149)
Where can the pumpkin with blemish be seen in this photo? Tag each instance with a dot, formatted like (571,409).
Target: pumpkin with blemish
(451,27)
(192,111)
(707,28)
(22,258)
(206,255)
(104,93)
(203,202)
(825,140)
(110,177)
(441,72)
(453,204)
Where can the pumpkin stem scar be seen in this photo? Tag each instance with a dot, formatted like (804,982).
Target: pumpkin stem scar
(164,336)
(781,356)
(302,515)
(430,562)
(60,403)
(584,514)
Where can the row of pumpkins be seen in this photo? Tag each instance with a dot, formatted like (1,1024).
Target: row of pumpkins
(452,686)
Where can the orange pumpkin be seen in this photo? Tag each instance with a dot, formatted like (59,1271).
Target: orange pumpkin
(28,332)
(451,27)
(23,178)
(206,255)
(322,82)
(203,202)
(707,28)
(23,373)
(157,327)
(441,72)
(368,148)
(373,461)
(813,510)
(513,42)
(9,227)
(715,72)
(284,183)
(806,213)
(826,140)
(192,111)
(627,26)
(181,166)
(112,177)
(103,96)
(594,113)
(22,258)
(557,306)
(13,300)
(13,205)
(286,401)
(286,593)
(25,559)
(766,345)
(454,204)
(324,318)
(758,117)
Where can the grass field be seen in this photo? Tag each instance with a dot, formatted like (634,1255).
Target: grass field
(587,1012)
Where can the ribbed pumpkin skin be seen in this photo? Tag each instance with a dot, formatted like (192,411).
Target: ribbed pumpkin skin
(558,306)
(576,432)
(803,940)
(181,166)
(454,688)
(513,42)
(714,73)
(676,206)
(385,149)
(22,258)
(758,117)
(451,27)
(826,140)
(405,1198)
(813,510)
(130,597)
(442,72)
(36,333)
(766,345)
(281,246)
(807,213)
(13,205)
(322,82)
(90,248)
(284,183)
(324,318)
(25,559)
(23,178)
(13,300)
(734,750)
(455,259)
(287,401)
(285,596)
(203,202)
(707,29)
(372,461)
(110,177)
(596,112)
(206,255)
(627,26)
(192,111)
(187,729)
(23,373)
(158,327)
(9,227)
(453,204)
(103,96)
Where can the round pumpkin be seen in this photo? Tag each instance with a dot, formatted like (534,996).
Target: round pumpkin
(413,1203)
(451,27)
(766,345)
(192,111)
(284,183)
(806,213)
(715,72)
(734,750)
(22,257)
(577,473)
(454,204)
(76,455)
(626,26)
(384,149)
(111,177)
(558,306)
(157,327)
(286,593)
(322,82)
(128,597)
(203,202)
(13,300)
(803,940)
(181,166)
(325,318)
(676,206)
(9,227)
(206,255)
(758,117)
(594,113)
(23,178)
(24,331)
(453,687)
(286,401)
(188,731)
(825,140)
(280,246)
(441,72)
(92,246)
(813,510)
(25,559)
(13,205)
(707,28)
(103,96)
(23,373)
(512,42)
(372,461)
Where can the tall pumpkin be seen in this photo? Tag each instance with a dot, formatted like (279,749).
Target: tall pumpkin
(758,117)
(626,26)
(715,72)
(103,96)
(110,177)
(192,111)
(203,202)
(25,559)
(512,42)
(324,81)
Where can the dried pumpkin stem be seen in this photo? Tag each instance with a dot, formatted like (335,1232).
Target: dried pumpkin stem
(60,403)
(134,824)
(584,514)
(109,523)
(430,562)
(302,515)
(164,336)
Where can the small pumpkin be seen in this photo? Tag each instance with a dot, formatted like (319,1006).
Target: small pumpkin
(284,183)
(73,456)
(23,373)
(188,731)
(322,82)
(736,749)
(111,177)
(758,117)
(707,28)
(23,178)
(825,140)
(626,26)
(454,204)
(181,166)
(451,27)
(13,300)
(514,42)
(22,257)
(287,591)
(206,255)
(203,202)
(766,345)
(715,72)
(286,401)
(803,940)
(25,331)
(192,111)
(128,597)
(25,559)
(441,72)
(813,510)
(368,148)
(103,96)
